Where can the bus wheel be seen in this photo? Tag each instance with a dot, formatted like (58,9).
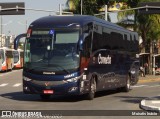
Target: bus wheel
(127,87)
(45,97)
(92,91)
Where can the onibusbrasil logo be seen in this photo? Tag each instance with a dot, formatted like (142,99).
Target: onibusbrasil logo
(27,114)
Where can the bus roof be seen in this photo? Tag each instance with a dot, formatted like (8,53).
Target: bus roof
(65,21)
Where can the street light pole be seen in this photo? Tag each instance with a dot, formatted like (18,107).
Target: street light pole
(60,9)
(81,7)
(106,12)
(1,30)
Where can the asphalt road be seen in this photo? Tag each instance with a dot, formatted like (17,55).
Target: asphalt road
(12,98)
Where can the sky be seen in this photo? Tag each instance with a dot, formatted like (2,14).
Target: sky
(16,24)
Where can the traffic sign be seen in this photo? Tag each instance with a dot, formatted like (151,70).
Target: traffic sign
(12,8)
(150,8)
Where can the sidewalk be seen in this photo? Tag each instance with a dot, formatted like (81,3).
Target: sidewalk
(149,78)
(150,103)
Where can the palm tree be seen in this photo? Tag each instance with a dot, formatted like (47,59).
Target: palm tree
(72,4)
(142,23)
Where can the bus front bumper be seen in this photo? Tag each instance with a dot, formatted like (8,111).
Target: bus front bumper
(55,87)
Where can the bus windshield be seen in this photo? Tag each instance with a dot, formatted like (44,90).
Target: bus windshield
(52,52)
(16,56)
(2,55)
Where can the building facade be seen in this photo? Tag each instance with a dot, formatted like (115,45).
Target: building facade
(6,41)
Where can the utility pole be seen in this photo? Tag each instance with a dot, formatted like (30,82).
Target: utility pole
(60,9)
(106,12)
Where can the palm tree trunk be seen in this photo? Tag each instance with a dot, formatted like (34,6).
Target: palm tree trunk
(151,59)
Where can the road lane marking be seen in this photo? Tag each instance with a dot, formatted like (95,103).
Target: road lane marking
(155,101)
(150,86)
(139,86)
(4,84)
(155,86)
(16,85)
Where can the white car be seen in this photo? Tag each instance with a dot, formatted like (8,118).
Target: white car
(157,71)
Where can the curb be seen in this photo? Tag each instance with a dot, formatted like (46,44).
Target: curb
(144,106)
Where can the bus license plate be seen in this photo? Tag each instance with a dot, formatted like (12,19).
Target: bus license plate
(48,91)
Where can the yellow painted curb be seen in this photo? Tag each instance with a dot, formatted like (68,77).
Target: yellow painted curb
(148,80)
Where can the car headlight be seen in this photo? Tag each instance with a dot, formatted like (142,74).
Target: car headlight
(26,78)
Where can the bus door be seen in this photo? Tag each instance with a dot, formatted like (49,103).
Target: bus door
(9,59)
(16,58)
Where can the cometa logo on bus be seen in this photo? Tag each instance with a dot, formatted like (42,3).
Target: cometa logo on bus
(48,72)
(104,60)
(68,76)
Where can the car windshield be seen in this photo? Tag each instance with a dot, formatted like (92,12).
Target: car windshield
(56,51)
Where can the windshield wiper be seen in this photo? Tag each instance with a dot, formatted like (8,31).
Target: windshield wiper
(48,65)
(63,69)
(32,69)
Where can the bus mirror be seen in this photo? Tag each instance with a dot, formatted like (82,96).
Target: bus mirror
(80,45)
(17,39)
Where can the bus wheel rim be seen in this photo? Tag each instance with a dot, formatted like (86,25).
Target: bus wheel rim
(93,87)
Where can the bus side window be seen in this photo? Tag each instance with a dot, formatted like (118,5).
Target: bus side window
(97,38)
(87,46)
(87,39)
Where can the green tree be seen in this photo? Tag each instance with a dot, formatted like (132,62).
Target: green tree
(148,26)
(144,24)
(90,7)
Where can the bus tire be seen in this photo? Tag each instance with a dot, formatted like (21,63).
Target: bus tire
(91,94)
(45,97)
(127,86)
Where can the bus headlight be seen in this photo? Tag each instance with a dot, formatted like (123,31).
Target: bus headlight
(26,79)
(72,79)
